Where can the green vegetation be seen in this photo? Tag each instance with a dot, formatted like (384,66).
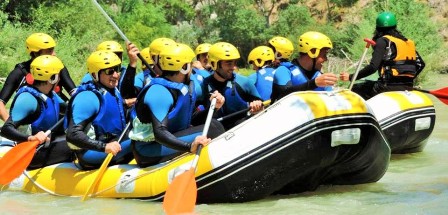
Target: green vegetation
(78,26)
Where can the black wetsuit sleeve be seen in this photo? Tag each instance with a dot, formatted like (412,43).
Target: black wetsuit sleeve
(379,50)
(127,89)
(280,91)
(66,81)
(420,64)
(9,130)
(77,136)
(166,138)
(12,83)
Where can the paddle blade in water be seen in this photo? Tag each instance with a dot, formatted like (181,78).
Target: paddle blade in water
(16,161)
(180,196)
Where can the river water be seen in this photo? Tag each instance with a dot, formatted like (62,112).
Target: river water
(413,184)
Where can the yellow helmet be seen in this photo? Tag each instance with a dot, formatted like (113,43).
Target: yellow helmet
(202,48)
(110,45)
(313,40)
(173,58)
(45,66)
(283,46)
(159,44)
(222,51)
(99,60)
(145,54)
(260,55)
(38,41)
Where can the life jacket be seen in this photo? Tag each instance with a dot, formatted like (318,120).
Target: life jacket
(234,101)
(106,127)
(265,78)
(298,78)
(48,113)
(404,64)
(184,97)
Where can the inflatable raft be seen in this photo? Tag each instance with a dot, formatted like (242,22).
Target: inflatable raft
(407,119)
(308,138)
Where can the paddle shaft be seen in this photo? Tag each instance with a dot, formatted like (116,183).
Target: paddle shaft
(205,131)
(153,74)
(358,68)
(103,167)
(265,103)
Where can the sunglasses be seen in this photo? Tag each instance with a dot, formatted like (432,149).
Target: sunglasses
(110,71)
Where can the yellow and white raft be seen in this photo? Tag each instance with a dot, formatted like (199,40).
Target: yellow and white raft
(407,119)
(303,140)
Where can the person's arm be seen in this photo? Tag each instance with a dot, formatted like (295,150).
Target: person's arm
(379,50)
(66,81)
(83,109)
(420,64)
(11,84)
(159,100)
(23,112)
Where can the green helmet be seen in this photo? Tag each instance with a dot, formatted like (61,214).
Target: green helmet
(386,19)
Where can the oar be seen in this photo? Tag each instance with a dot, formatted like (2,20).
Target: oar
(180,196)
(16,160)
(441,94)
(355,75)
(103,167)
(153,74)
(265,103)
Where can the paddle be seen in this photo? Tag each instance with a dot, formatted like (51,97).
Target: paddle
(355,75)
(441,94)
(103,167)
(16,160)
(180,196)
(265,103)
(153,74)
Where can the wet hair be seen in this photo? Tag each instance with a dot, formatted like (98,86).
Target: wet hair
(392,31)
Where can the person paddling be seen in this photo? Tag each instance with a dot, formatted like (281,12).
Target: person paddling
(35,109)
(239,92)
(163,125)
(305,71)
(394,57)
(36,44)
(95,116)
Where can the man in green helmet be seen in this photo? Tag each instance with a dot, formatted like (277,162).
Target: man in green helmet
(394,57)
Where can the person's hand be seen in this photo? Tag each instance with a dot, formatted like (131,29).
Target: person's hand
(344,76)
(197,64)
(219,99)
(256,106)
(40,136)
(113,147)
(132,54)
(326,79)
(199,140)
(130,102)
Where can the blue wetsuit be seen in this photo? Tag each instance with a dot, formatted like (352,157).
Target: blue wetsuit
(164,111)
(95,107)
(142,79)
(31,112)
(239,91)
(291,77)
